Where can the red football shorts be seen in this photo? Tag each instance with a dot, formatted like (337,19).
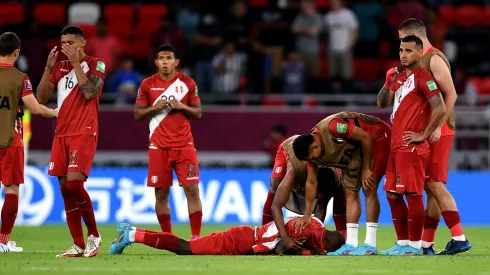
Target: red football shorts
(280,164)
(72,154)
(161,162)
(238,240)
(12,165)
(381,153)
(406,172)
(437,165)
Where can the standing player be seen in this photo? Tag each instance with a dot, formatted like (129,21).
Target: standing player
(438,197)
(15,87)
(238,240)
(79,82)
(359,144)
(169,98)
(413,122)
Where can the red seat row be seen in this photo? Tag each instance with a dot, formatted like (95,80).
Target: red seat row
(465,15)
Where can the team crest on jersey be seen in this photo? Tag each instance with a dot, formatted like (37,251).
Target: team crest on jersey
(179,89)
(51,166)
(100,66)
(192,171)
(196,92)
(154,179)
(278,169)
(74,157)
(28,85)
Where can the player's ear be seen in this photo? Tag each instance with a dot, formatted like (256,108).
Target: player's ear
(84,42)
(177,62)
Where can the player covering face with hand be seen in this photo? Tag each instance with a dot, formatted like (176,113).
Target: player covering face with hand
(315,239)
(418,110)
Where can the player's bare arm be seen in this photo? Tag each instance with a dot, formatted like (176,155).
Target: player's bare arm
(142,112)
(437,116)
(310,195)
(46,89)
(367,155)
(280,199)
(385,98)
(92,86)
(36,108)
(444,81)
(194,110)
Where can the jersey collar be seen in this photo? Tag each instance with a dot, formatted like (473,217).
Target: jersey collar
(429,50)
(3,65)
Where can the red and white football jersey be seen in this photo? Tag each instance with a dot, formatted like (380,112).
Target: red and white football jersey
(268,235)
(169,128)
(76,115)
(411,111)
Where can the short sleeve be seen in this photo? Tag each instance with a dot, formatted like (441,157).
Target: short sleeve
(143,95)
(427,86)
(353,24)
(97,67)
(54,76)
(193,91)
(26,87)
(340,128)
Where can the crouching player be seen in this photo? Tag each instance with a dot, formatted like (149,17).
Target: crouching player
(239,240)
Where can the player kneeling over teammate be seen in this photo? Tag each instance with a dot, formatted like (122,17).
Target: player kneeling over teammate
(289,175)
(418,110)
(358,144)
(315,239)
(15,88)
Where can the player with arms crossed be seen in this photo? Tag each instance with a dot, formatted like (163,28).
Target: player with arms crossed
(438,197)
(358,144)
(315,239)
(15,88)
(169,99)
(418,110)
(79,82)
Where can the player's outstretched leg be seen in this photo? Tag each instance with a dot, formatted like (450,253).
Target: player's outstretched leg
(353,214)
(9,214)
(195,209)
(399,214)
(74,184)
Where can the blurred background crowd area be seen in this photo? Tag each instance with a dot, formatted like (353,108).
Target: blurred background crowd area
(259,52)
(267,69)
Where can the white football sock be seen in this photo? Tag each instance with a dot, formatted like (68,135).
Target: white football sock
(402,242)
(416,244)
(371,229)
(461,238)
(352,236)
(132,235)
(427,244)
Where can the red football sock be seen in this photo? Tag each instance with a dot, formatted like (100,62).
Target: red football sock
(399,214)
(9,213)
(141,230)
(340,224)
(77,191)
(165,223)
(415,217)
(160,240)
(453,222)
(195,219)
(430,228)
(73,218)
(267,212)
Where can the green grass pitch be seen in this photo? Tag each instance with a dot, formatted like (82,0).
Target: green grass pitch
(41,244)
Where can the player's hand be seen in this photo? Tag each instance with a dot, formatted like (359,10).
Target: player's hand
(161,104)
(413,137)
(301,223)
(368,182)
(436,135)
(52,57)
(391,74)
(176,104)
(291,243)
(71,53)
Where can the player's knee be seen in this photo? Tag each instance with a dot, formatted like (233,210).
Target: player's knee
(191,191)
(274,184)
(371,193)
(161,194)
(12,189)
(75,176)
(391,195)
(435,188)
(351,195)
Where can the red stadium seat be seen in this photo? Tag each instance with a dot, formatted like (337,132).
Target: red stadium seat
(146,28)
(446,13)
(119,12)
(152,12)
(486,15)
(468,15)
(50,14)
(12,14)
(120,29)
(275,100)
(88,30)
(367,69)
(484,86)
(259,3)
(390,64)
(322,3)
(324,67)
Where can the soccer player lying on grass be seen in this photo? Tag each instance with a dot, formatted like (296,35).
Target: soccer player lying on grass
(315,239)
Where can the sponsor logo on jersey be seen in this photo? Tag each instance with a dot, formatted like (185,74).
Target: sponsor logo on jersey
(100,66)
(341,128)
(432,85)
(157,89)
(28,85)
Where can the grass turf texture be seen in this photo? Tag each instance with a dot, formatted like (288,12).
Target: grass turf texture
(41,244)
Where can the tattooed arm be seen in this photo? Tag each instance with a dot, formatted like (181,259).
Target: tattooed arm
(90,85)
(385,98)
(438,112)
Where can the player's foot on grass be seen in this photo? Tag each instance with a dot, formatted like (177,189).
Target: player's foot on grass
(72,252)
(395,250)
(454,247)
(122,240)
(13,247)
(412,251)
(429,250)
(93,246)
(364,250)
(344,250)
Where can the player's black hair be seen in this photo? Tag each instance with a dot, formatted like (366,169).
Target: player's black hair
(334,241)
(301,146)
(166,48)
(413,24)
(72,29)
(9,42)
(413,38)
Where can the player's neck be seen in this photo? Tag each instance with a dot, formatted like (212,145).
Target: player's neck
(167,77)
(7,60)
(412,68)
(427,45)
(82,55)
